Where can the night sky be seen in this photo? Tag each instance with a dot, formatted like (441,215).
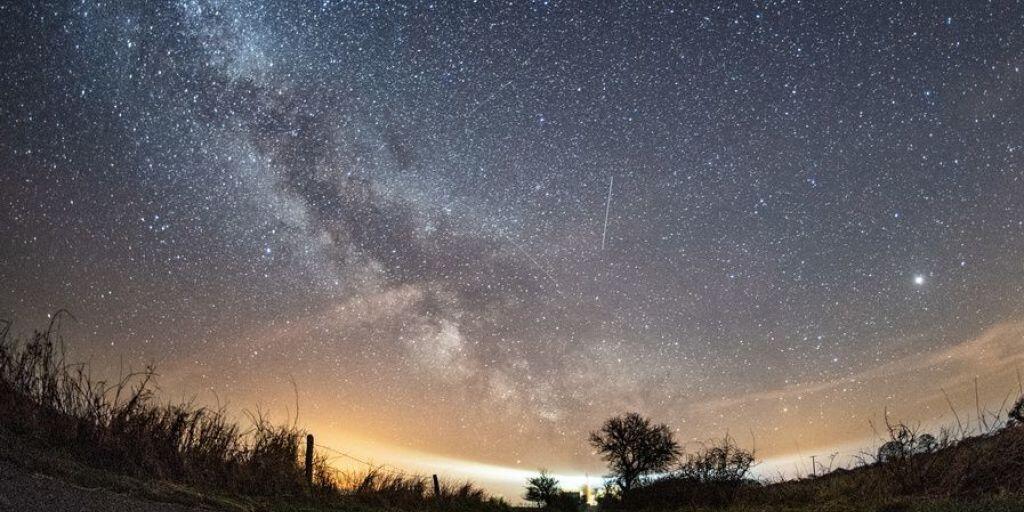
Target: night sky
(816,212)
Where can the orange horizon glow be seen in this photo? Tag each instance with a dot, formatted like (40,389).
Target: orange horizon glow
(785,426)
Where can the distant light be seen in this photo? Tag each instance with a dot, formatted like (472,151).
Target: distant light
(919,280)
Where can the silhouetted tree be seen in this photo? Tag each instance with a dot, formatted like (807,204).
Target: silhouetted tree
(722,462)
(541,489)
(634,448)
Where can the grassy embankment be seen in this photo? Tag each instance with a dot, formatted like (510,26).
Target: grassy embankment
(56,419)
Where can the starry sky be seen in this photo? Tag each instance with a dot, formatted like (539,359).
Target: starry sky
(470,231)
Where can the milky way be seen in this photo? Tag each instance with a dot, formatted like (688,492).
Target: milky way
(814,211)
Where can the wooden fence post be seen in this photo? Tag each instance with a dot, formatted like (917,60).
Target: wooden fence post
(437,487)
(309,460)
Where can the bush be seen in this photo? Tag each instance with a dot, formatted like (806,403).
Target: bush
(713,476)
(722,462)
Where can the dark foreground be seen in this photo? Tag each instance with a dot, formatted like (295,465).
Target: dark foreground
(26,491)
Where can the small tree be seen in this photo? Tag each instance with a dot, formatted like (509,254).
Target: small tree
(541,489)
(634,448)
(723,462)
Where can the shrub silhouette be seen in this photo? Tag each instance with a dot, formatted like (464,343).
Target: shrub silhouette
(712,476)
(904,442)
(721,462)
(634,449)
(541,489)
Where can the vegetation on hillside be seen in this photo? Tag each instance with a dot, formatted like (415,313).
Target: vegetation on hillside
(911,470)
(50,405)
(47,402)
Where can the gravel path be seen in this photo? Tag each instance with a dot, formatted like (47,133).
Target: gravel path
(26,492)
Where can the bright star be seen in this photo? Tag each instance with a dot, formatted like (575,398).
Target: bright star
(919,280)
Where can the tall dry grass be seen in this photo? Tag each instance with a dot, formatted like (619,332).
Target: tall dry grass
(120,425)
(392,489)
